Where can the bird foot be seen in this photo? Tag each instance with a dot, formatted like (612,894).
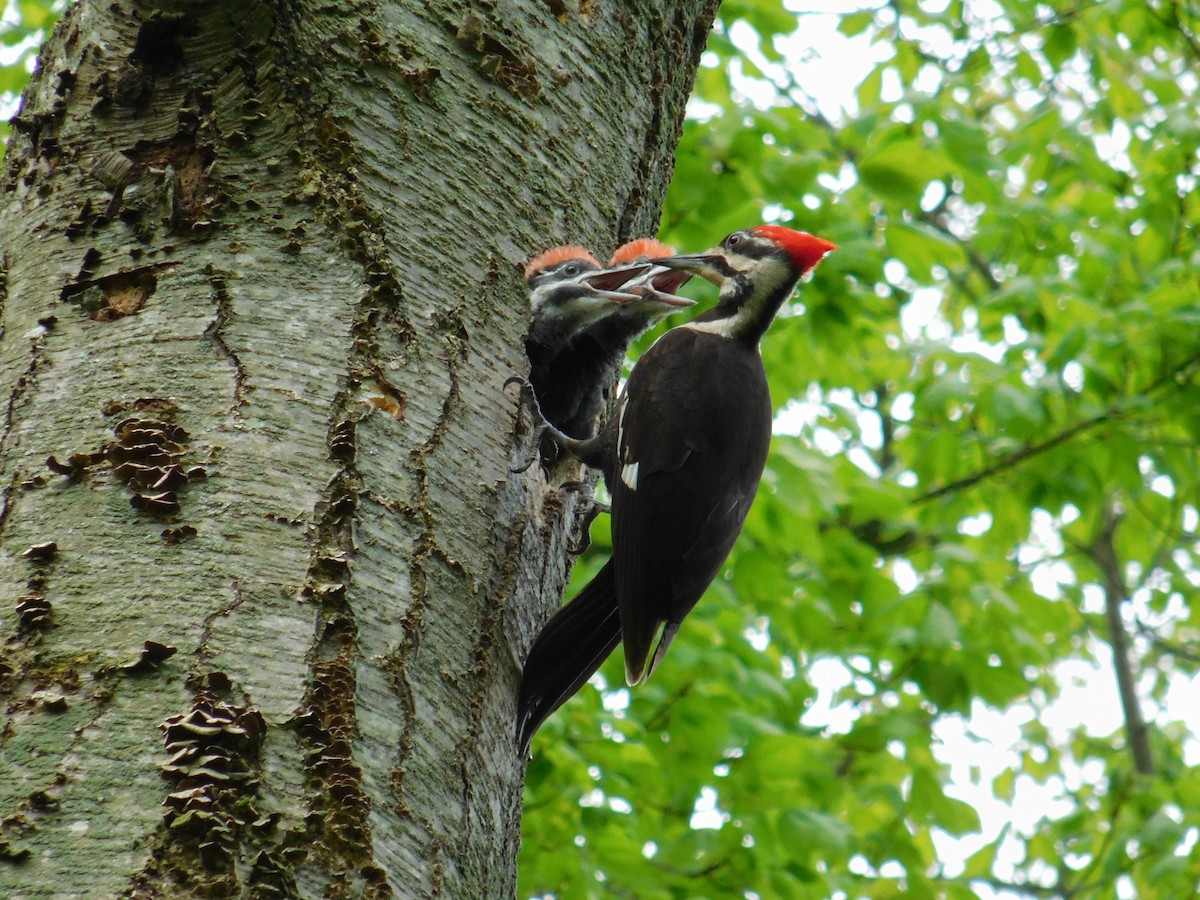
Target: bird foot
(593,509)
(541,428)
(588,492)
(527,398)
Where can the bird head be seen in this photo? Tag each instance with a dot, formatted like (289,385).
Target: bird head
(657,284)
(753,253)
(568,291)
(756,269)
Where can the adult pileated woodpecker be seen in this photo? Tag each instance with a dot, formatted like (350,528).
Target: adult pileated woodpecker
(684,450)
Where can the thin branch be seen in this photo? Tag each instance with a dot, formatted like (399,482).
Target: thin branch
(978,263)
(1103,552)
(1167,541)
(659,716)
(1016,458)
(1172,649)
(1177,377)
(703,872)
(1176,21)
(887,428)
(1118,799)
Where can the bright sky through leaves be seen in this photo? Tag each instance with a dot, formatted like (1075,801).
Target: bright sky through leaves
(916,615)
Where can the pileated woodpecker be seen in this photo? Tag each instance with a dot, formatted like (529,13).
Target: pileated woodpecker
(583,320)
(683,452)
(568,292)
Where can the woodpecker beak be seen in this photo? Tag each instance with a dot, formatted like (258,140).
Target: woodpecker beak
(612,280)
(659,285)
(711,266)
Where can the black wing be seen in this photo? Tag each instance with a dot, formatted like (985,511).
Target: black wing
(694,431)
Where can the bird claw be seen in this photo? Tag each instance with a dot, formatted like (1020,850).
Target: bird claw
(525,397)
(594,509)
(541,427)
(582,487)
(539,433)
(518,379)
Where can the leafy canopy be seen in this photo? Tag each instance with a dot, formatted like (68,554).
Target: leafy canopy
(988,419)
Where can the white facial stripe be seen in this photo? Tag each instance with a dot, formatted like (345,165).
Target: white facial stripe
(741,263)
(770,275)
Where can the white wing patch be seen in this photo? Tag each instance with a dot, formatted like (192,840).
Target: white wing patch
(629,475)
(629,471)
(725,327)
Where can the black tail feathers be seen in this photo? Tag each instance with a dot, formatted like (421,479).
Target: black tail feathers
(567,652)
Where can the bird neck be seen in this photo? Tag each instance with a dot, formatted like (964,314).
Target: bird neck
(617,330)
(549,332)
(745,310)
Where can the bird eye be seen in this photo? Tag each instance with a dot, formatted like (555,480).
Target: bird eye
(571,269)
(734,239)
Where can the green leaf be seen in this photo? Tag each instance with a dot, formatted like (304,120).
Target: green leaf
(967,144)
(1017,410)
(940,628)
(921,247)
(1060,44)
(856,23)
(901,171)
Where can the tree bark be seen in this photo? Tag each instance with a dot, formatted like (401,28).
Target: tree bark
(268,580)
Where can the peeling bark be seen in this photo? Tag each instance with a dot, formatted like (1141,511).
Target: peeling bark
(261,294)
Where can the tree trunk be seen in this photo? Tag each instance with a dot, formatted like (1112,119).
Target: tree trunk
(268,581)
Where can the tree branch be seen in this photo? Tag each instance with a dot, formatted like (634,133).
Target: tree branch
(1017,457)
(1103,553)
(1171,649)
(978,263)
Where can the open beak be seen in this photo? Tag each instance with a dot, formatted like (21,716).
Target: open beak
(659,285)
(612,280)
(606,285)
(711,266)
(620,298)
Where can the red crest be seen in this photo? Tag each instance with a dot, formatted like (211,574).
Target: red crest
(805,249)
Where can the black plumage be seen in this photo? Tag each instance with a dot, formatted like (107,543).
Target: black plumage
(682,454)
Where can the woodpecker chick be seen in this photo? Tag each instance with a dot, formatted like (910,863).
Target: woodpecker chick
(583,321)
(600,350)
(684,451)
(658,283)
(568,292)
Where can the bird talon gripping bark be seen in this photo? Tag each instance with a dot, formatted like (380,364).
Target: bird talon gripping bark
(526,392)
(540,427)
(592,509)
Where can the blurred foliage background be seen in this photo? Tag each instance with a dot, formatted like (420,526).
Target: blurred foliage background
(981,503)
(956,652)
